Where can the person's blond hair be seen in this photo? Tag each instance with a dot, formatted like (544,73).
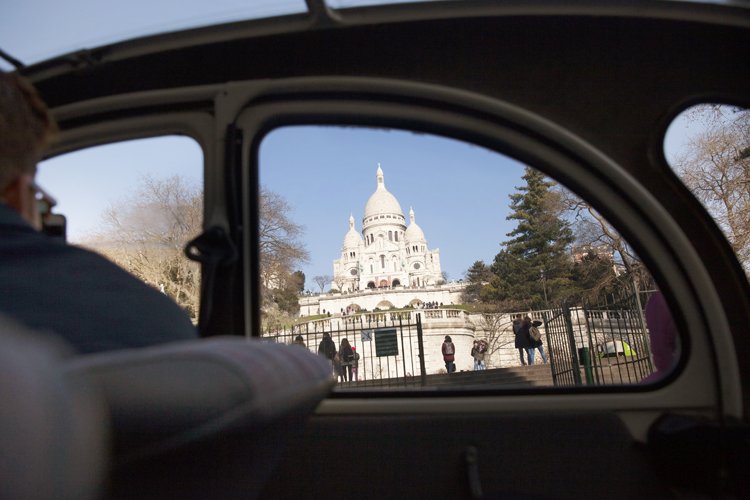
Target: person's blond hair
(26,128)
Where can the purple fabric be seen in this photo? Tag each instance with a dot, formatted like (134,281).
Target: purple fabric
(663,335)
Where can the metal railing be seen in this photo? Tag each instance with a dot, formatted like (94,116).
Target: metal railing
(601,343)
(389,346)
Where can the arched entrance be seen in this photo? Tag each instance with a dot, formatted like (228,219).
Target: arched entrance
(383,284)
(396,283)
(384,305)
(371,285)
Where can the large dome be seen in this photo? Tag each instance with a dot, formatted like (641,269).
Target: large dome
(382,201)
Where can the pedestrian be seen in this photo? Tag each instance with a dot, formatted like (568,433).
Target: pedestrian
(536,339)
(300,341)
(477,352)
(327,349)
(449,351)
(355,363)
(526,337)
(346,355)
(522,341)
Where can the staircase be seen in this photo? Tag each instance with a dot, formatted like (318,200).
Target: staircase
(515,376)
(538,375)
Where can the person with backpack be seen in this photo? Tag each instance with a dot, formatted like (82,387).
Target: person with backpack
(346,355)
(449,351)
(536,340)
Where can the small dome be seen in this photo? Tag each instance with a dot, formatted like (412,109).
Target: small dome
(413,233)
(382,201)
(352,238)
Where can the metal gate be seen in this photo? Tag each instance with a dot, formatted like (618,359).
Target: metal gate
(603,343)
(389,345)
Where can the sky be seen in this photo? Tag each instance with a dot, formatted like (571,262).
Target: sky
(459,192)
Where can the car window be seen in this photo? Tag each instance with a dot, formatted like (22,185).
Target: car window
(137,203)
(708,146)
(417,261)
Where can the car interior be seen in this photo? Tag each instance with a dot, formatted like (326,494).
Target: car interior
(582,91)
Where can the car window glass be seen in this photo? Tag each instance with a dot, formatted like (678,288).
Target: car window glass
(412,260)
(708,146)
(137,203)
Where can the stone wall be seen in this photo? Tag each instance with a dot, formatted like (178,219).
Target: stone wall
(399,297)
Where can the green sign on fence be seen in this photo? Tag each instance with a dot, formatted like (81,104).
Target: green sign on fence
(386,342)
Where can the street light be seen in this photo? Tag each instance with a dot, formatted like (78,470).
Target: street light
(544,286)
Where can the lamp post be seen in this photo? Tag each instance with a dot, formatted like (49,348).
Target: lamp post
(544,286)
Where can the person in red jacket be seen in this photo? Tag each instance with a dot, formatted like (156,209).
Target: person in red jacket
(449,351)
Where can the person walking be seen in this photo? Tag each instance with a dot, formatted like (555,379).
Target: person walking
(536,339)
(526,337)
(522,341)
(327,349)
(477,352)
(346,355)
(449,351)
(355,363)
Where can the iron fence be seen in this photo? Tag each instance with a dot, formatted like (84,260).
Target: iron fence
(599,343)
(389,345)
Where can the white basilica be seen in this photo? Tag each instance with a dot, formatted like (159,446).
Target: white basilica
(388,253)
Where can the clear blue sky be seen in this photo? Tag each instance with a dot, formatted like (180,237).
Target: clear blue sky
(459,192)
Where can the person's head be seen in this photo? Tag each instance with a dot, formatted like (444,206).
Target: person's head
(26,130)
(527,320)
(299,339)
(448,338)
(345,343)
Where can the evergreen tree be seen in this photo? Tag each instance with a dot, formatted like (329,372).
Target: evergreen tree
(478,276)
(534,261)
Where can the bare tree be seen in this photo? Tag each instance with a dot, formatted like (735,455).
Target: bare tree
(146,232)
(281,250)
(716,168)
(592,229)
(322,281)
(498,331)
(339,281)
(605,245)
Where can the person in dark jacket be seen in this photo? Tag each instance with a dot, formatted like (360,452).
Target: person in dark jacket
(522,339)
(48,285)
(346,355)
(327,349)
